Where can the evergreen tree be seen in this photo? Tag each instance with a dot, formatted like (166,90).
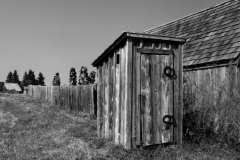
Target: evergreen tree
(25,79)
(56,80)
(84,78)
(91,78)
(73,77)
(9,77)
(41,79)
(31,78)
(15,78)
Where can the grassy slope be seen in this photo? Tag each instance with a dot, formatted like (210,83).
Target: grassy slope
(30,129)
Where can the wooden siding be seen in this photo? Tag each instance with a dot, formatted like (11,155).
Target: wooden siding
(212,78)
(114,96)
(74,98)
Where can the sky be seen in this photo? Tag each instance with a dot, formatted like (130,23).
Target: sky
(51,36)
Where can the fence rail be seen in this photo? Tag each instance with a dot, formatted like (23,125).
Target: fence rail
(81,98)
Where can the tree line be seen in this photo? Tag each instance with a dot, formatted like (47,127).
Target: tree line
(84,77)
(30,79)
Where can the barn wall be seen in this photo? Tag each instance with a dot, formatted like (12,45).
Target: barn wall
(211,79)
(215,91)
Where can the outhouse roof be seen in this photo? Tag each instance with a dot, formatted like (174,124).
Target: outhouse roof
(213,34)
(124,35)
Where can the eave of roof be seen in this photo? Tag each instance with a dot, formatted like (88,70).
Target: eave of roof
(124,35)
(213,33)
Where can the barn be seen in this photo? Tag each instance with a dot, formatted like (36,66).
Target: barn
(139,90)
(211,70)
(211,52)
(12,87)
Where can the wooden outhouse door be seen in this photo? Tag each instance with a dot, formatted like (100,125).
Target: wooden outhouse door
(156,96)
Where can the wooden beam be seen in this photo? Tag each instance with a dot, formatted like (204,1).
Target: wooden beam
(155,51)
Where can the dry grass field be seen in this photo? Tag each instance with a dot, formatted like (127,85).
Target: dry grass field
(31,129)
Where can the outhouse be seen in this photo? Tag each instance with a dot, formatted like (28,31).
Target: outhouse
(139,90)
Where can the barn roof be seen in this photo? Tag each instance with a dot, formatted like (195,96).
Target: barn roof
(124,35)
(12,86)
(213,34)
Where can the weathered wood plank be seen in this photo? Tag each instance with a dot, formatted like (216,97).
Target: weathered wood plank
(63,97)
(70,98)
(180,111)
(66,98)
(60,97)
(84,98)
(134,96)
(106,105)
(128,93)
(92,100)
(153,112)
(103,100)
(138,102)
(80,100)
(165,100)
(171,97)
(117,101)
(76,98)
(99,108)
(159,71)
(176,95)
(114,94)
(122,105)
(111,96)
(89,99)
(146,98)
(52,96)
(46,93)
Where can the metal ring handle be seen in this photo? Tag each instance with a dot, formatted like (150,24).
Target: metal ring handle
(171,120)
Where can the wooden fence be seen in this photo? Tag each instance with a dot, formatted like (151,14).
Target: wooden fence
(75,98)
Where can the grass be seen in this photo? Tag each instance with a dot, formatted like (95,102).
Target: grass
(31,129)
(35,130)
